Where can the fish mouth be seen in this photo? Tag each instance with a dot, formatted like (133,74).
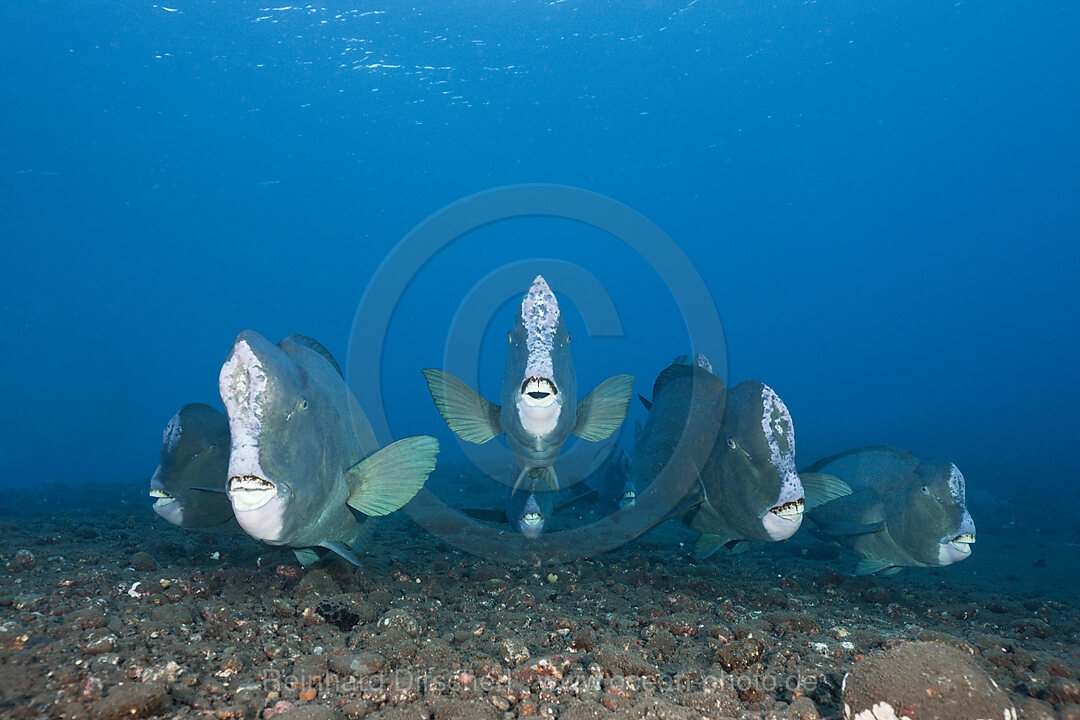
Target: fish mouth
(783,519)
(962,542)
(628,498)
(791,510)
(161,497)
(250,492)
(538,391)
(532,519)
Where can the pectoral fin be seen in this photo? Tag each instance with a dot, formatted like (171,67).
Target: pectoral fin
(548,475)
(872,565)
(820,489)
(384,481)
(708,543)
(602,411)
(343,550)
(470,416)
(306,556)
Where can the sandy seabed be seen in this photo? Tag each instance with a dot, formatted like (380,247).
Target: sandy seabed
(108,612)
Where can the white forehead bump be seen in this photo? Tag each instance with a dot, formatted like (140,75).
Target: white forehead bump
(704,364)
(775,430)
(540,315)
(956,484)
(242,384)
(172,433)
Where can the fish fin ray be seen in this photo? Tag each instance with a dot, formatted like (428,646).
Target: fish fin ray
(602,411)
(646,403)
(819,489)
(871,565)
(470,416)
(307,556)
(343,550)
(384,481)
(521,478)
(709,543)
(551,479)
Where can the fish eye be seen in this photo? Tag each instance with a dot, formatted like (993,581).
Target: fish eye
(212,449)
(924,490)
(303,403)
(731,444)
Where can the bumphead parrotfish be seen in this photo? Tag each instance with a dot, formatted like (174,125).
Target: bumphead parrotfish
(747,487)
(298,474)
(525,511)
(189,483)
(539,394)
(902,512)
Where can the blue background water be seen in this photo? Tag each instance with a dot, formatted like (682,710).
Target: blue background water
(882,198)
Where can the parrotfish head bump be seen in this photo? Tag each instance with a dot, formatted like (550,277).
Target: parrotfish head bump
(258,502)
(785,517)
(539,404)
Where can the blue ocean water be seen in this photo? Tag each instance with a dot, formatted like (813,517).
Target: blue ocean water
(881,198)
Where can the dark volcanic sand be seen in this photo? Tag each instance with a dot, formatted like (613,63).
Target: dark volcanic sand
(108,612)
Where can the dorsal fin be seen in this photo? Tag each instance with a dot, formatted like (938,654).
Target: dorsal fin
(816,467)
(671,372)
(313,344)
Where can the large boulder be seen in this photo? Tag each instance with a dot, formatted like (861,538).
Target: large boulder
(923,681)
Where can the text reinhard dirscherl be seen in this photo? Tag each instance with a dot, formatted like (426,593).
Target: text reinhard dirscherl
(435,683)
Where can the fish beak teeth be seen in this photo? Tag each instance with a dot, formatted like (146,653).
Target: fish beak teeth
(792,510)
(162,498)
(538,392)
(531,519)
(248,492)
(963,542)
(629,498)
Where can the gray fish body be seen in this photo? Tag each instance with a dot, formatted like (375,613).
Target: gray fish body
(539,407)
(536,424)
(747,487)
(902,512)
(194,455)
(296,467)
